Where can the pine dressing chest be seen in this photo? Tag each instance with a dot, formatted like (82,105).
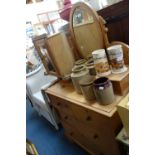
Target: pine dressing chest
(90,125)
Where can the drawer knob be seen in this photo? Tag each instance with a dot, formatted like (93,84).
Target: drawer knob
(66,117)
(71,133)
(58,103)
(95,136)
(88,118)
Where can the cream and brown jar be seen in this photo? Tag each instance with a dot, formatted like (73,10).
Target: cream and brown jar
(90,66)
(77,74)
(115,54)
(80,62)
(101,63)
(86,85)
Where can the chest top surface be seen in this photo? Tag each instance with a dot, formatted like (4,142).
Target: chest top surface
(65,91)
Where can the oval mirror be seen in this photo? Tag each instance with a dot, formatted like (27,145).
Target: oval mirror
(85,29)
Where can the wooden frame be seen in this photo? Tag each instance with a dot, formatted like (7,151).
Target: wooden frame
(95,17)
(38,43)
(61,53)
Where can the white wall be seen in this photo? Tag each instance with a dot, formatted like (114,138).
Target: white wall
(33,9)
(48,5)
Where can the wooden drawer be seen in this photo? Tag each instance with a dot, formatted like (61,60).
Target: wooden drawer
(86,116)
(96,141)
(61,105)
(91,119)
(67,118)
(73,133)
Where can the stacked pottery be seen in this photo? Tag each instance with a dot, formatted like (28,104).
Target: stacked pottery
(103,90)
(116,59)
(101,63)
(86,85)
(90,66)
(78,73)
(80,62)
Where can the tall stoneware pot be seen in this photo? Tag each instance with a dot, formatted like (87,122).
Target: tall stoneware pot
(103,90)
(77,74)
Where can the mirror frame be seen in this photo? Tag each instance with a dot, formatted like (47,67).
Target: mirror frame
(96,18)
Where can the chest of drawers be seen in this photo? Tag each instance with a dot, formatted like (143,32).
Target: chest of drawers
(90,125)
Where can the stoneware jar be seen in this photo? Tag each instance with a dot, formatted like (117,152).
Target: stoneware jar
(80,62)
(116,59)
(101,63)
(77,74)
(86,85)
(90,66)
(103,90)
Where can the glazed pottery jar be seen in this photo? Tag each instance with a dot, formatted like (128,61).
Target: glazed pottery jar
(86,85)
(116,59)
(103,90)
(101,63)
(77,74)
(90,66)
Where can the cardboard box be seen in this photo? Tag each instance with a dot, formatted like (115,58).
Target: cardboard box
(120,83)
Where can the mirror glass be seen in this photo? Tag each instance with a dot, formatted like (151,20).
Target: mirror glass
(86,30)
(81,17)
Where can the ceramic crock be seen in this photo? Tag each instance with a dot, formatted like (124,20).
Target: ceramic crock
(101,63)
(86,85)
(80,62)
(77,74)
(103,90)
(90,66)
(115,54)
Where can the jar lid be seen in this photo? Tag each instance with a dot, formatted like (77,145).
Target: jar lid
(90,62)
(98,53)
(80,61)
(77,69)
(102,81)
(89,56)
(87,80)
(113,47)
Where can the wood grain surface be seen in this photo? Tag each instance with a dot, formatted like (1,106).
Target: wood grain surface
(60,53)
(89,38)
(65,90)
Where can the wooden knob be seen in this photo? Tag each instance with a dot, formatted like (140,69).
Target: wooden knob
(95,136)
(88,118)
(66,117)
(106,29)
(58,103)
(71,133)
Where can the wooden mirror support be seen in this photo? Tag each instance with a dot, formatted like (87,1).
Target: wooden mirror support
(40,46)
(61,54)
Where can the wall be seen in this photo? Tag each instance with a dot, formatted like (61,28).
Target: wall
(33,9)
